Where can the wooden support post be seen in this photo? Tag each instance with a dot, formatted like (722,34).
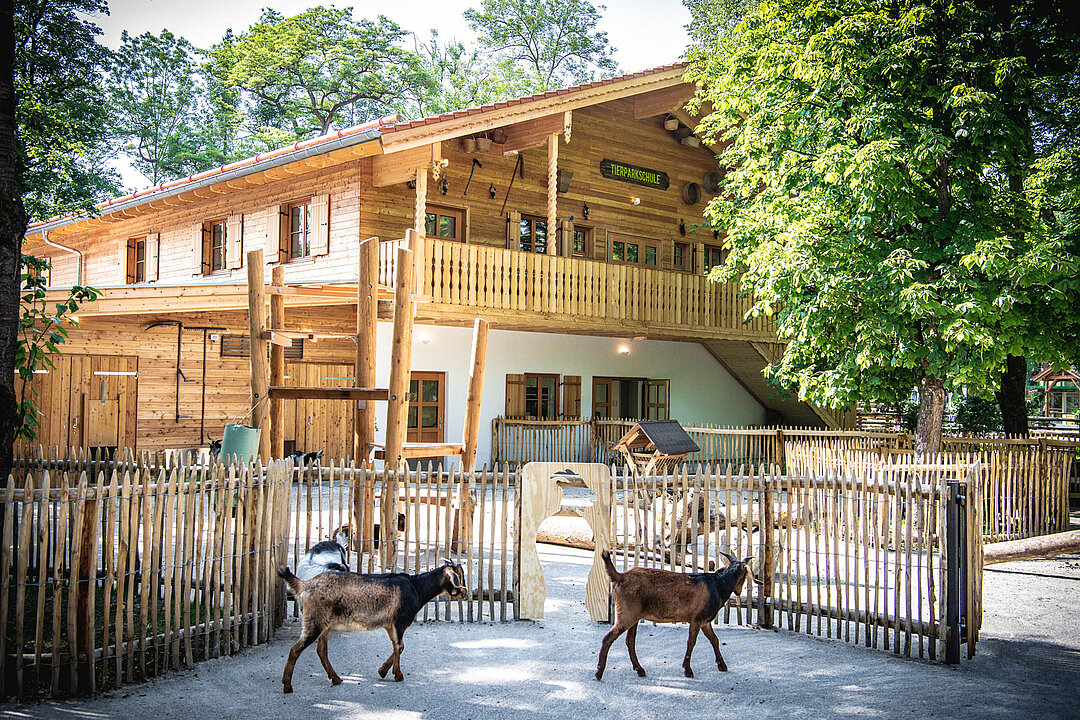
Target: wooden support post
(476,390)
(552,192)
(768,539)
(277,366)
(420,208)
(367,313)
(397,411)
(260,370)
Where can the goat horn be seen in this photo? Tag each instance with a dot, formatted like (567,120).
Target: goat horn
(731,558)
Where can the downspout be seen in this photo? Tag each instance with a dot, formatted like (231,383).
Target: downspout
(78,255)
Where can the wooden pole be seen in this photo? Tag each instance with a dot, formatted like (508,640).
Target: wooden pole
(259,362)
(552,191)
(476,390)
(397,411)
(420,208)
(1045,546)
(277,366)
(367,313)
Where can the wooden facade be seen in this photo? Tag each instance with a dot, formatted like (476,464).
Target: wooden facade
(620,258)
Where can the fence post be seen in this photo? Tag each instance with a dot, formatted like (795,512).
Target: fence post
(954,580)
(765,609)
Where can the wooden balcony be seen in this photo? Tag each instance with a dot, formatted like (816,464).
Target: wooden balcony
(529,291)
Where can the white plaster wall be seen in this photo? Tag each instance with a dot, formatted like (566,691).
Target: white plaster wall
(702,391)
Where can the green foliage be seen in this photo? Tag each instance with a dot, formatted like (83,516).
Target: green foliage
(40,334)
(62,121)
(976,415)
(154,95)
(301,75)
(868,203)
(544,44)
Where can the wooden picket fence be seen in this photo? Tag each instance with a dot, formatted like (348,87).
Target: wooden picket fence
(856,556)
(439,515)
(114,572)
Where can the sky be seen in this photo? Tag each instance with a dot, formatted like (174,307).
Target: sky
(644,33)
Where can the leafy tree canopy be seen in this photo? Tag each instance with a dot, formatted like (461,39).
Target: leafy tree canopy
(555,42)
(153,94)
(304,74)
(62,121)
(868,202)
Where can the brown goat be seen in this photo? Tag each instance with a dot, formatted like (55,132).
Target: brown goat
(350,601)
(669,597)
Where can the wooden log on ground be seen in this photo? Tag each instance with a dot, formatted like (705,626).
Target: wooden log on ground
(1044,546)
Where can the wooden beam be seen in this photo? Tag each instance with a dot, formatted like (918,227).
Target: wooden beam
(400,167)
(397,411)
(258,348)
(475,394)
(531,134)
(327,393)
(277,365)
(1044,546)
(660,102)
(421,450)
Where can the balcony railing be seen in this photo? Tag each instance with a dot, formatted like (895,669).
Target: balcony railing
(515,282)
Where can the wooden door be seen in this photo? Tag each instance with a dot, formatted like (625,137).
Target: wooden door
(601,398)
(635,250)
(426,407)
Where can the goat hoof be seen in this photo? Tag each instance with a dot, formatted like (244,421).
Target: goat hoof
(399,678)
(599,675)
(688,672)
(641,672)
(721,668)
(383,671)
(335,680)
(287,689)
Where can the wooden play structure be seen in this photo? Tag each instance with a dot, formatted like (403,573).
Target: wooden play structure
(654,447)
(268,397)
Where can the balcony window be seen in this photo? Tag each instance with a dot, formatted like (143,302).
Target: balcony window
(542,397)
(216,240)
(534,234)
(444,223)
(680,256)
(635,250)
(581,246)
(714,257)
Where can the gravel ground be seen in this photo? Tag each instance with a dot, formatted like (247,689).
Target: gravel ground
(1028,665)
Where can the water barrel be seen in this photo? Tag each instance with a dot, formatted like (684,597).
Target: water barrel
(241,441)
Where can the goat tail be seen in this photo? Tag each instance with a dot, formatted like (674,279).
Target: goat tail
(614,575)
(295,584)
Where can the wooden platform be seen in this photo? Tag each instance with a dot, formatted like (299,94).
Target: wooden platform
(325,393)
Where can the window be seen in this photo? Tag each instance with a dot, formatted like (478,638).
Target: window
(680,256)
(444,223)
(238,346)
(581,245)
(299,230)
(542,397)
(534,234)
(631,398)
(216,239)
(714,256)
(136,260)
(635,250)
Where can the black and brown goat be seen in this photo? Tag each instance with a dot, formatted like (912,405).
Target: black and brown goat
(668,597)
(351,601)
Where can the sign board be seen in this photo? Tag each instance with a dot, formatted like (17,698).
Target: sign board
(634,174)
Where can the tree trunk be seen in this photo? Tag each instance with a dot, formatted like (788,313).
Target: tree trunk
(12,229)
(931,416)
(1012,397)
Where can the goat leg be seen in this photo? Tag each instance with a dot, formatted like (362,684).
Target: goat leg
(694,627)
(385,667)
(305,640)
(612,635)
(707,628)
(321,648)
(631,645)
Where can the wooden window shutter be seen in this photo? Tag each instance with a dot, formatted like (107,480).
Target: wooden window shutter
(571,394)
(125,258)
(153,241)
(515,396)
(513,230)
(201,252)
(234,242)
(320,225)
(277,234)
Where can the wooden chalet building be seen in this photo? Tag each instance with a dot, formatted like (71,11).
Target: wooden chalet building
(567,219)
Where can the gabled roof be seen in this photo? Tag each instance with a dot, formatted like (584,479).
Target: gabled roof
(380,136)
(667,437)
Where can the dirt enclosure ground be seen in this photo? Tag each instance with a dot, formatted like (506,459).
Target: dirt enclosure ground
(1027,666)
